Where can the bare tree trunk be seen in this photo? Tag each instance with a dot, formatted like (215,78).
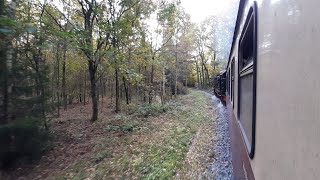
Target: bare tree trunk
(207,73)
(151,82)
(3,76)
(4,116)
(64,95)
(52,88)
(111,91)
(198,76)
(176,74)
(58,80)
(85,88)
(40,86)
(37,56)
(125,89)
(130,92)
(7,87)
(6,53)
(92,72)
(121,90)
(202,72)
(145,85)
(163,86)
(102,91)
(117,90)
(89,15)
(80,93)
(186,81)
(137,85)
(43,104)
(4,86)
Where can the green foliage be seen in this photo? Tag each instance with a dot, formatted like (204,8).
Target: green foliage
(42,37)
(167,12)
(165,155)
(22,140)
(147,110)
(158,150)
(12,28)
(164,158)
(123,123)
(101,155)
(181,89)
(126,128)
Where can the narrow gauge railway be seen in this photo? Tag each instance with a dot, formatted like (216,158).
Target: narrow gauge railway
(271,87)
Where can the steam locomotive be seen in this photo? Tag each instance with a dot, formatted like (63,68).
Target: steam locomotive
(219,86)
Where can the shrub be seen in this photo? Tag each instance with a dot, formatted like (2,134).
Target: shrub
(181,89)
(21,140)
(126,128)
(101,155)
(150,110)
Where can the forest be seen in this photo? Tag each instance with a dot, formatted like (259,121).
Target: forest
(81,65)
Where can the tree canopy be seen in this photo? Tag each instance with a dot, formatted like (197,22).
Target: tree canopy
(103,52)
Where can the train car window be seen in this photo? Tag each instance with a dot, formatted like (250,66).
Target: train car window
(227,79)
(247,79)
(232,79)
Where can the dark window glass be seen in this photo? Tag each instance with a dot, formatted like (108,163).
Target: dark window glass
(247,79)
(247,45)
(232,79)
(227,81)
(246,96)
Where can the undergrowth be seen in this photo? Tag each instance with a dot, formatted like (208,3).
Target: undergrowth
(154,143)
(149,110)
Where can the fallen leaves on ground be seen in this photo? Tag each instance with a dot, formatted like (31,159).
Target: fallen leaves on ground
(173,144)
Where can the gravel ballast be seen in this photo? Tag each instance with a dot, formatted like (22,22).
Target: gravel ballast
(221,165)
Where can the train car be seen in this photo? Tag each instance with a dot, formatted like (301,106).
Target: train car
(272,90)
(219,86)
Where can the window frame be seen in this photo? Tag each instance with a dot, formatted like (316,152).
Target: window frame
(247,69)
(227,81)
(232,80)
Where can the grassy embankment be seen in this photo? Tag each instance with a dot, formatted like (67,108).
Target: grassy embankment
(152,142)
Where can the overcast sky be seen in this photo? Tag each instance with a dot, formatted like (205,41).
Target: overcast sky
(225,11)
(200,9)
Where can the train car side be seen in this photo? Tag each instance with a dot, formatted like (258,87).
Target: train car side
(271,93)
